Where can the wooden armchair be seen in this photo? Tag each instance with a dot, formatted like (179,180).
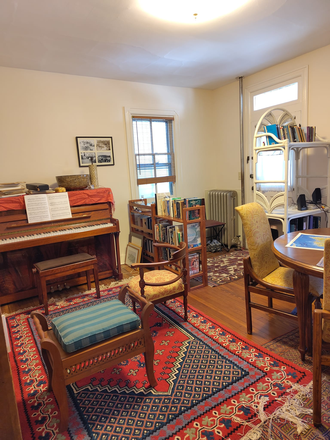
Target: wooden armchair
(70,352)
(263,274)
(321,337)
(167,281)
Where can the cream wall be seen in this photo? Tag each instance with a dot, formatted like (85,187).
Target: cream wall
(42,113)
(226,144)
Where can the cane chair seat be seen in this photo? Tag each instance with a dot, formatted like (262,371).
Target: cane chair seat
(154,292)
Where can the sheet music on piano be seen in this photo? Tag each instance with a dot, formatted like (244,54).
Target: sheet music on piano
(47,207)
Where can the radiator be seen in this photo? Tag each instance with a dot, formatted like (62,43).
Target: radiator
(222,205)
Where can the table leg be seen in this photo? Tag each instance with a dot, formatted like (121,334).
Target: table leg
(301,292)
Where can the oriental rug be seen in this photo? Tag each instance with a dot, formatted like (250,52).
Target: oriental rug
(225,268)
(212,383)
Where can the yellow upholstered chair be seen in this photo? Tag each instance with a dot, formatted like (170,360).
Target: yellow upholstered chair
(263,274)
(321,337)
(167,281)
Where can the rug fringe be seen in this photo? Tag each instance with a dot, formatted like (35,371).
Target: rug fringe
(292,410)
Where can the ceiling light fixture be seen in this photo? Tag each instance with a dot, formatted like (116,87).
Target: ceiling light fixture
(190,11)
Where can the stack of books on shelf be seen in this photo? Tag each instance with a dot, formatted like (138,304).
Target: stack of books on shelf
(167,233)
(306,222)
(12,189)
(173,234)
(148,245)
(292,132)
(142,220)
(168,206)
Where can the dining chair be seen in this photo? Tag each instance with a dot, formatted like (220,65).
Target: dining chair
(321,336)
(166,281)
(263,274)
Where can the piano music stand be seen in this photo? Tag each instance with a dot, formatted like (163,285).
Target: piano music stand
(60,267)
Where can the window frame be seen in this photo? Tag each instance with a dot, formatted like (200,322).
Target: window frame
(155,114)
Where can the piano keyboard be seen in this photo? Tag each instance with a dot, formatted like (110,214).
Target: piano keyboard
(54,233)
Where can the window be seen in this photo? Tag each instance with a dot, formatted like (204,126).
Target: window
(154,154)
(271,166)
(276,96)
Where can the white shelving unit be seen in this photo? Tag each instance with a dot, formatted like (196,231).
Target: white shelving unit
(281,205)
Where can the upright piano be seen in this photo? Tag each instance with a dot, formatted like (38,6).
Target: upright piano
(91,229)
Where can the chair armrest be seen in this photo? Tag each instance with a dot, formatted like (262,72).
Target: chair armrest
(138,298)
(325,314)
(40,323)
(164,262)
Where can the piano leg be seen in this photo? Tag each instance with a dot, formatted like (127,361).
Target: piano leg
(119,274)
(108,254)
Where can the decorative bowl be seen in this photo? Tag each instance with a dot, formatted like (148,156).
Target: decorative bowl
(73,182)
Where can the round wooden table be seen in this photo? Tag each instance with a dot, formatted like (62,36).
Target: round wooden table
(303,261)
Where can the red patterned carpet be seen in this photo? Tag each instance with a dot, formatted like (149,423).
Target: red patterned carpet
(210,383)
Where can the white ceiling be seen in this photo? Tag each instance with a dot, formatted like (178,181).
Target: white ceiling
(116,39)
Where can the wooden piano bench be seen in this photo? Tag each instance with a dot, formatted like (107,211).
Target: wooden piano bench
(63,266)
(88,340)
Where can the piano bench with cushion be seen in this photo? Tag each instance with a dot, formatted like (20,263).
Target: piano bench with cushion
(63,266)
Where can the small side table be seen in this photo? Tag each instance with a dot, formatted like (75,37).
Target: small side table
(216,229)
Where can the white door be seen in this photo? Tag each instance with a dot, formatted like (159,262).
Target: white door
(275,93)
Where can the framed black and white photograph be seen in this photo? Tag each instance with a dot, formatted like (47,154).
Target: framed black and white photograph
(97,150)
(133,254)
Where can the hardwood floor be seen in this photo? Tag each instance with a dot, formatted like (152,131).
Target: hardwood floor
(224,303)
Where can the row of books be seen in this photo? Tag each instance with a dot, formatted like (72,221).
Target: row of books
(165,232)
(294,133)
(142,220)
(173,234)
(173,206)
(303,223)
(148,245)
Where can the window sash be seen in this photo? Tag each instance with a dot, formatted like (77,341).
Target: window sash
(158,167)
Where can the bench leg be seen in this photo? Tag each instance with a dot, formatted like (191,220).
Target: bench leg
(96,280)
(59,390)
(88,276)
(43,288)
(49,367)
(149,359)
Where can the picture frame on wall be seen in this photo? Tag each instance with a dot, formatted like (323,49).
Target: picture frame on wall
(96,149)
(133,254)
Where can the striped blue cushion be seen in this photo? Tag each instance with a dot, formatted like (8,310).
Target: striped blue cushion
(85,327)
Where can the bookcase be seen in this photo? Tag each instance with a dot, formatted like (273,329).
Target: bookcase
(190,228)
(142,220)
(277,133)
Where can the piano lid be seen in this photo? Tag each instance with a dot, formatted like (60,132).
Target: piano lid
(76,198)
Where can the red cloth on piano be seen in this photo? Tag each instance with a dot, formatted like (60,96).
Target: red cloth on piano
(76,198)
